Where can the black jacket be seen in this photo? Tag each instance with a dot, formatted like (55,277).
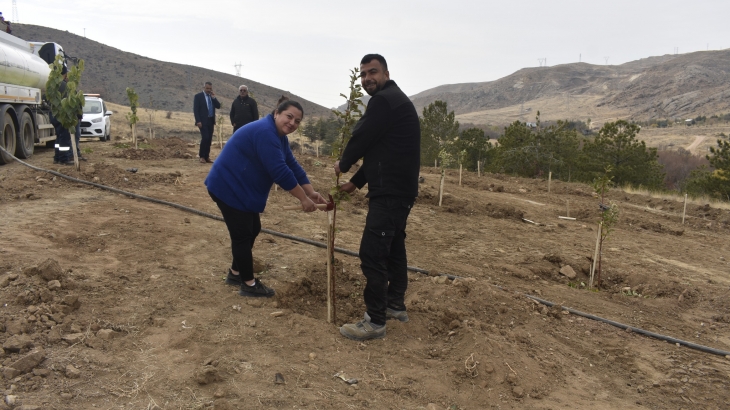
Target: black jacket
(388,137)
(243,111)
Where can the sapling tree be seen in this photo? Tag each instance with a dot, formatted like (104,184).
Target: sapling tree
(609,218)
(66,105)
(445,160)
(131,116)
(349,118)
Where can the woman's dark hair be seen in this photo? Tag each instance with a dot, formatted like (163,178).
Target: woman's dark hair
(284,103)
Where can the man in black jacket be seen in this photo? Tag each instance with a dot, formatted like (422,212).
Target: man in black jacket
(388,137)
(244,109)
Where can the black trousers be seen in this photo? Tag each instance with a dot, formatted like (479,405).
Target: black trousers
(206,137)
(243,227)
(383,255)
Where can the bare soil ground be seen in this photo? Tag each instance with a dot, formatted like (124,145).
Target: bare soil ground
(131,311)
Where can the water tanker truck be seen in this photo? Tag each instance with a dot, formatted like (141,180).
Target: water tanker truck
(24,115)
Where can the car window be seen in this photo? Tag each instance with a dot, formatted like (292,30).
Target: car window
(92,107)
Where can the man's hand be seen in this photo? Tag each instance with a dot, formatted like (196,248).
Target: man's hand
(317,198)
(199,124)
(337,168)
(212,94)
(348,187)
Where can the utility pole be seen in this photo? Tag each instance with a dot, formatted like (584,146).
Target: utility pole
(16,20)
(84,32)
(606,58)
(238,66)
(579,57)
(676,50)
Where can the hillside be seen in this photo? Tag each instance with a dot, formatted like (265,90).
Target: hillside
(109,71)
(657,87)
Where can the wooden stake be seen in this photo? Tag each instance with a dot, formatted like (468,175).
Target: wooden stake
(77,165)
(441,187)
(134,135)
(220,138)
(479,168)
(567,206)
(331,310)
(436,163)
(460,168)
(684,212)
(550,179)
(595,255)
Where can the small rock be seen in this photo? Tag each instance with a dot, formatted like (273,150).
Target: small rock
(54,284)
(106,334)
(29,362)
(568,272)
(11,400)
(73,338)
(50,270)
(66,396)
(72,372)
(351,391)
(518,392)
(159,321)
(511,378)
(206,375)
(279,379)
(312,356)
(431,406)
(277,314)
(17,342)
(41,372)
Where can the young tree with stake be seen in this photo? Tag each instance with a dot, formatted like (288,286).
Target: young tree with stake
(66,105)
(132,115)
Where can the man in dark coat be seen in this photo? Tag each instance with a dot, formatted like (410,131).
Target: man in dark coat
(244,109)
(204,105)
(388,137)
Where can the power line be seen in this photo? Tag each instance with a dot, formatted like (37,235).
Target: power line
(15,12)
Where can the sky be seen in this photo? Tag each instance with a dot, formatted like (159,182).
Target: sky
(308,47)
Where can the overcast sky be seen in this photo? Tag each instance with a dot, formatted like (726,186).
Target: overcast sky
(308,47)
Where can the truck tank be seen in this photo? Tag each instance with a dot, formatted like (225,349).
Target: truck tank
(19,63)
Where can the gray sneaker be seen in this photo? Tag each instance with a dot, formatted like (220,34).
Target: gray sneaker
(363,330)
(400,315)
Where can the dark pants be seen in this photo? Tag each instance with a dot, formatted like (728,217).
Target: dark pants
(383,255)
(243,227)
(62,152)
(206,137)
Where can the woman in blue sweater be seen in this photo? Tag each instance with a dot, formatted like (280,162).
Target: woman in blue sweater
(254,158)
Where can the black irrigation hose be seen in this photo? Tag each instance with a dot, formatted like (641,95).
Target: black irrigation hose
(634,329)
(410,268)
(207,215)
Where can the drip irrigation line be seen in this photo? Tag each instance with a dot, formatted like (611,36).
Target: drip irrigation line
(211,216)
(633,329)
(410,268)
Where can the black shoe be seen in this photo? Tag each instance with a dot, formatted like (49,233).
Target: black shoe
(257,290)
(232,279)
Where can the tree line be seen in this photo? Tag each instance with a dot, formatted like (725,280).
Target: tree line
(563,148)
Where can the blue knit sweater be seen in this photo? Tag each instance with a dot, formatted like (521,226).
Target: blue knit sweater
(252,160)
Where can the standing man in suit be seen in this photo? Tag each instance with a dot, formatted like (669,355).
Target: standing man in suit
(204,105)
(244,109)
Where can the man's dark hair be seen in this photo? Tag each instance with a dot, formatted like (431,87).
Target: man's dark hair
(208,83)
(370,57)
(289,103)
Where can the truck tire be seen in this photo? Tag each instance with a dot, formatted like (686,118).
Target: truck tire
(7,138)
(25,137)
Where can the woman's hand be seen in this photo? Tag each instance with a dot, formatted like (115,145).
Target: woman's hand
(308,205)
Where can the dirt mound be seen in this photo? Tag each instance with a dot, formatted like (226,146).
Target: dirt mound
(157,149)
(307,295)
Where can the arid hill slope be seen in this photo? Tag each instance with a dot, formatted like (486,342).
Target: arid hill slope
(109,71)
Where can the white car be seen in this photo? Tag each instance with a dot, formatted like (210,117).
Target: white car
(97,122)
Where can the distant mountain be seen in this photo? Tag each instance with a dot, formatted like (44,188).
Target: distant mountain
(668,86)
(171,86)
